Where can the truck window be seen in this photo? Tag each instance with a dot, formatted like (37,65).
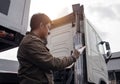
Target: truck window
(100,47)
(4,6)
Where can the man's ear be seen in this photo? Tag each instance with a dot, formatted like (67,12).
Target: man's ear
(41,25)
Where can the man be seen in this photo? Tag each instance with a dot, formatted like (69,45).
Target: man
(35,61)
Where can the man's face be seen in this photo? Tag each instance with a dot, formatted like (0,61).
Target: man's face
(45,31)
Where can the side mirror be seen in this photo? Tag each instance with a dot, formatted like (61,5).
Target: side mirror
(108,50)
(107,45)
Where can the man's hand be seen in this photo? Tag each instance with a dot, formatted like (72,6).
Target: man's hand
(78,51)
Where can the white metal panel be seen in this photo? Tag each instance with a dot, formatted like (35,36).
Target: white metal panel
(8,66)
(17,18)
(60,42)
(96,66)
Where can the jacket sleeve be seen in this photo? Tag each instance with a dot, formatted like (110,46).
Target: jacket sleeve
(41,57)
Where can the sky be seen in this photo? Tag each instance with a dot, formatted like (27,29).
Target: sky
(103,14)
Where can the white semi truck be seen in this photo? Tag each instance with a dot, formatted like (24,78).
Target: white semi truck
(66,33)
(14,16)
(75,30)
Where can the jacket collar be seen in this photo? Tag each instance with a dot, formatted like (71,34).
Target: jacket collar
(33,35)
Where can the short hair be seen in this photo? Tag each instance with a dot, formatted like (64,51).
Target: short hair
(36,19)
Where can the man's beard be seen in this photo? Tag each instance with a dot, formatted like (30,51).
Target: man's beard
(45,41)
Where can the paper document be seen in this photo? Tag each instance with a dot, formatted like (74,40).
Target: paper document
(80,49)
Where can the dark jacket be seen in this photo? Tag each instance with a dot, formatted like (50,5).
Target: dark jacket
(36,63)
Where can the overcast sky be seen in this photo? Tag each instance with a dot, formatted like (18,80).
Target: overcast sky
(103,14)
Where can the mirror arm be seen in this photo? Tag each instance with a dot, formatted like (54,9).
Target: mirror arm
(107,59)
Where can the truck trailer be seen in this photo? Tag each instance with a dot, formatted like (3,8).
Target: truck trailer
(67,33)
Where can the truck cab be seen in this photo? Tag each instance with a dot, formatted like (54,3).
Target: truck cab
(13,22)
(14,16)
(75,30)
